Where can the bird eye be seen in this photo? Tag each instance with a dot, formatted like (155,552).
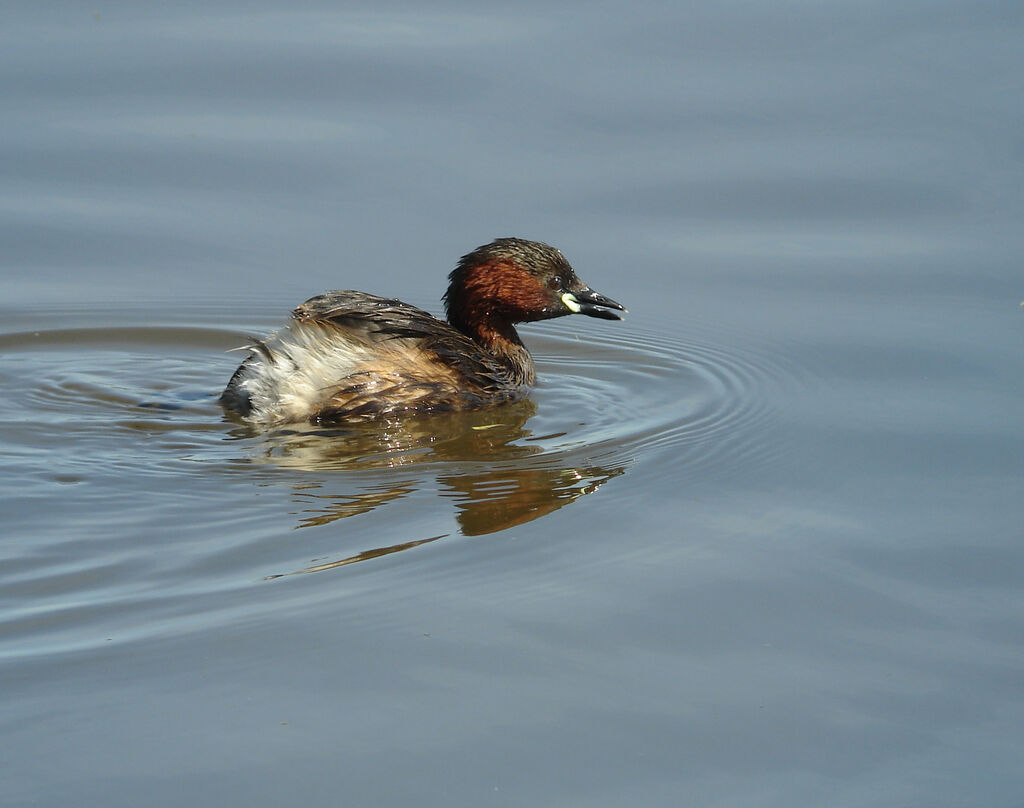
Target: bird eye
(554,284)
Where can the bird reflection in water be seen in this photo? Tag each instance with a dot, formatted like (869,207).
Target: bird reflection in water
(487,462)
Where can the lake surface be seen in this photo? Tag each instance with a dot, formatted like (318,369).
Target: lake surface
(761,544)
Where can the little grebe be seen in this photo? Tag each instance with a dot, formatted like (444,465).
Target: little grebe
(352,356)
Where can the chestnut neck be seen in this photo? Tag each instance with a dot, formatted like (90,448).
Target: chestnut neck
(487,294)
(499,338)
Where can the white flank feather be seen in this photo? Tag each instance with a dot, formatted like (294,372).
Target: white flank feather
(290,388)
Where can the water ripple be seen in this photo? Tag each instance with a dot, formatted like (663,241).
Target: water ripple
(160,509)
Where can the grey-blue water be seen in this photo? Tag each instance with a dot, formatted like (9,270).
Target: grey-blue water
(762,544)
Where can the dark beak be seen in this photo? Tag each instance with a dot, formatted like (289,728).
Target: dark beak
(587,301)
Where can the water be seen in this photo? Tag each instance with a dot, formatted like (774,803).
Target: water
(757,545)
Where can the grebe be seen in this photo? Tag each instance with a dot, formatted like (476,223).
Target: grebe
(348,356)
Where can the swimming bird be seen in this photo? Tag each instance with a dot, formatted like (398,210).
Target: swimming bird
(349,356)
